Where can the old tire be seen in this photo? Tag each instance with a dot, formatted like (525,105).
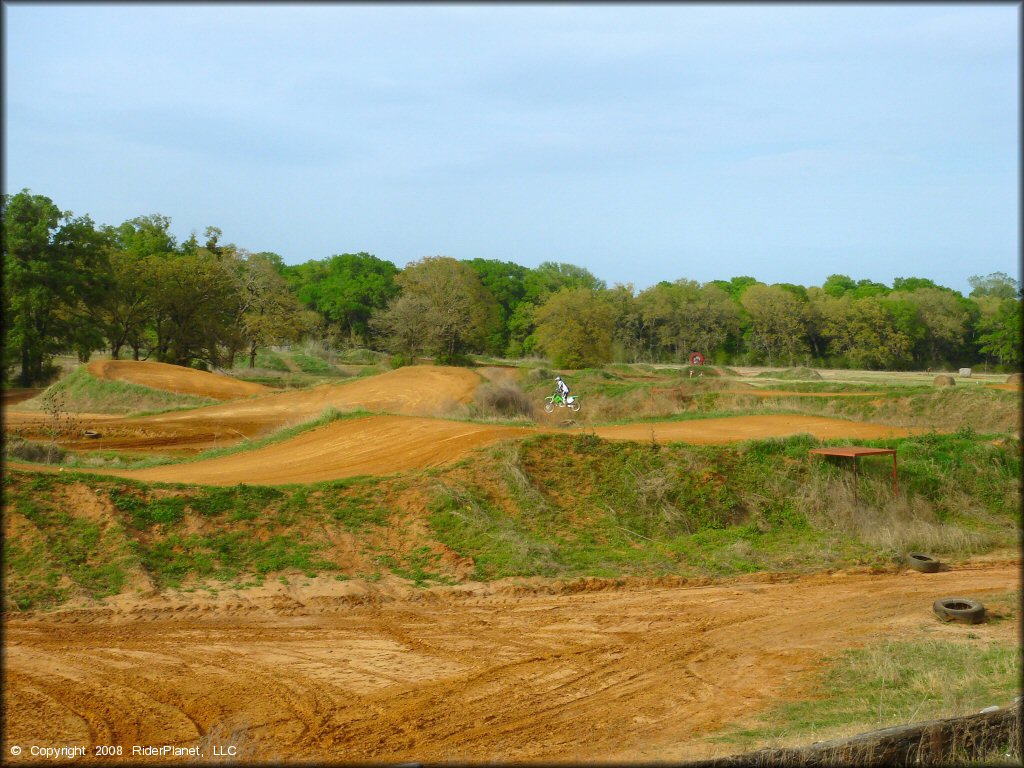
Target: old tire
(923,563)
(961,609)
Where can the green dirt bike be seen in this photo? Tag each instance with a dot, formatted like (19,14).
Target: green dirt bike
(555,401)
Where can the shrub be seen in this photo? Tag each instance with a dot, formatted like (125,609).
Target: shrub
(503,399)
(26,450)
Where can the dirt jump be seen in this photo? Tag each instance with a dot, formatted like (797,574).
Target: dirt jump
(175,378)
(347,672)
(407,439)
(419,390)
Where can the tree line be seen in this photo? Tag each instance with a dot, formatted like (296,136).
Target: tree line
(133,290)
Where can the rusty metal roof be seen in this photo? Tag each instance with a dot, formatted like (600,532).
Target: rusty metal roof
(851,450)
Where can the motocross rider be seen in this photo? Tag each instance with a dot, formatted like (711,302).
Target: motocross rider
(562,389)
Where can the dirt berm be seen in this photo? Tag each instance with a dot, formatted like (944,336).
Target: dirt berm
(175,378)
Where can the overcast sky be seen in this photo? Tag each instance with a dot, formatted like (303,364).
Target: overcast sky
(643,142)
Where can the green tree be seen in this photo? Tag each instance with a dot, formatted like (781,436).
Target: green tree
(540,283)
(864,332)
(124,312)
(346,290)
(778,322)
(550,276)
(1000,333)
(455,310)
(998,285)
(838,285)
(53,267)
(944,316)
(684,316)
(269,313)
(575,328)
(506,282)
(196,308)
(736,286)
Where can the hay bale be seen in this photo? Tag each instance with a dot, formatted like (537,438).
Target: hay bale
(1016,379)
(944,380)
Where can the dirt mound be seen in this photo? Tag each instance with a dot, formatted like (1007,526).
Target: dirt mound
(469,675)
(175,378)
(376,445)
(418,390)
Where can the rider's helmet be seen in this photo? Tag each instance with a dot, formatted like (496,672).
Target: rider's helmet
(558,378)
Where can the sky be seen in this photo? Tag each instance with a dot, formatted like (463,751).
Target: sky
(642,142)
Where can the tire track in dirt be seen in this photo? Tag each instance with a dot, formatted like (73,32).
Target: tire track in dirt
(630,673)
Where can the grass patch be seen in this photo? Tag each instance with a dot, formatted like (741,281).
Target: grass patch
(270,361)
(887,684)
(83,392)
(226,555)
(313,365)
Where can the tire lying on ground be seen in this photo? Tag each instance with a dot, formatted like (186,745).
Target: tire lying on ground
(961,609)
(923,563)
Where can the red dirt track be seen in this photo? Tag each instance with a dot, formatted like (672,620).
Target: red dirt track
(478,673)
(374,444)
(321,670)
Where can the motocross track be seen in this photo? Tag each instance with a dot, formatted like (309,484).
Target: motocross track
(381,444)
(580,671)
(413,390)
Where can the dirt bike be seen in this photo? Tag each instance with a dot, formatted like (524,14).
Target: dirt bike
(555,401)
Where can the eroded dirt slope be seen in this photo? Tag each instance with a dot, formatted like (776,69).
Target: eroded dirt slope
(354,672)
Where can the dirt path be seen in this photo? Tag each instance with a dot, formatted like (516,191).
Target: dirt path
(381,445)
(354,672)
(734,428)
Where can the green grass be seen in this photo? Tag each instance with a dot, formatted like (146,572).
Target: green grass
(891,683)
(84,393)
(95,560)
(227,555)
(551,505)
(313,365)
(265,360)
